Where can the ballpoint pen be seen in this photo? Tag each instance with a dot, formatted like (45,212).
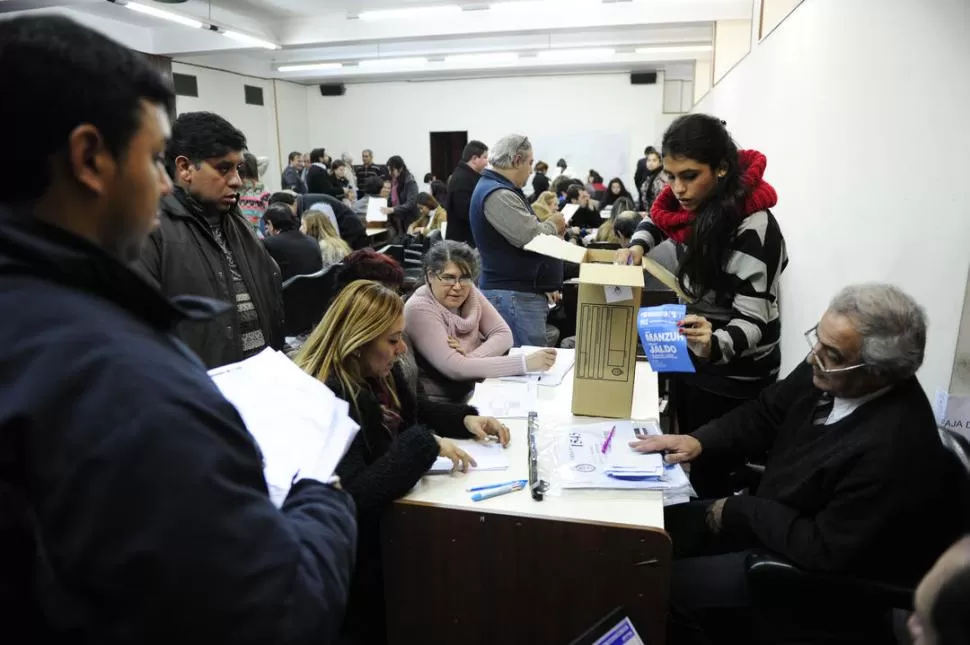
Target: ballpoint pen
(500,485)
(609,438)
(495,492)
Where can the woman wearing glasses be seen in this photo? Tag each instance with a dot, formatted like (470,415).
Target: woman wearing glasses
(457,334)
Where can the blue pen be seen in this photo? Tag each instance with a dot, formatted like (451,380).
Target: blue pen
(495,492)
(491,486)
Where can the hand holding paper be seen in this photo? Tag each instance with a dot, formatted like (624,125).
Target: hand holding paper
(699,334)
(663,342)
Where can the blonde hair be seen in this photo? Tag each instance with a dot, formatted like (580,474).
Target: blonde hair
(545,205)
(360,314)
(318,226)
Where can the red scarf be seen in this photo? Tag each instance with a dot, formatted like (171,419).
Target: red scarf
(675,221)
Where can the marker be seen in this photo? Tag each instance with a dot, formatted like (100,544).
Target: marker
(491,486)
(609,438)
(495,492)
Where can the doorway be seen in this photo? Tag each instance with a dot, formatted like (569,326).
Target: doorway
(446,149)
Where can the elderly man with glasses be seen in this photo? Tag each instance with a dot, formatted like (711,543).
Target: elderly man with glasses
(853,481)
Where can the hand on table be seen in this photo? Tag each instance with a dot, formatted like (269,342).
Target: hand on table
(460,459)
(484,427)
(678,448)
(699,334)
(540,361)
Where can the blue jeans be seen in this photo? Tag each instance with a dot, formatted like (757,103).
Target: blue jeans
(525,313)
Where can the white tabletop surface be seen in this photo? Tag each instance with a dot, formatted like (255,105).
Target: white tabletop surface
(618,507)
(371,232)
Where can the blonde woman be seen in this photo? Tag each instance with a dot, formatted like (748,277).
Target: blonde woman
(317,225)
(430,216)
(545,205)
(355,351)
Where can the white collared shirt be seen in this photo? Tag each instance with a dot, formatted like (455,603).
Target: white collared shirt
(841,408)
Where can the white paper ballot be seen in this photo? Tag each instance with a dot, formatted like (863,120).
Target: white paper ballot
(302,429)
(617,293)
(565,359)
(556,247)
(374,206)
(504,400)
(569,210)
(488,456)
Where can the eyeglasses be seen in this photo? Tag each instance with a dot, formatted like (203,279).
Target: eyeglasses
(451,280)
(811,336)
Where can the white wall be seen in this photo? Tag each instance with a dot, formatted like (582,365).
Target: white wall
(595,121)
(865,128)
(223,93)
(732,42)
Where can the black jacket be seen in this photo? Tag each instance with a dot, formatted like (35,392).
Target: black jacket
(641,172)
(407,207)
(351,227)
(133,507)
(319,180)
(295,253)
(461,185)
(181,257)
(540,184)
(291,180)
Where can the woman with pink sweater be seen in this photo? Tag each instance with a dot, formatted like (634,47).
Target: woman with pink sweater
(458,336)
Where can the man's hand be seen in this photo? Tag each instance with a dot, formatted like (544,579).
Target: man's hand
(715,516)
(484,427)
(699,334)
(559,221)
(632,255)
(677,448)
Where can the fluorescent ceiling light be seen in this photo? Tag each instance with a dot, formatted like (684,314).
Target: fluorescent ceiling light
(544,5)
(685,49)
(578,55)
(164,15)
(249,40)
(486,58)
(307,67)
(439,11)
(393,62)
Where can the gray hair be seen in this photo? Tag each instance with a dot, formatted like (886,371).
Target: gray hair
(509,147)
(346,157)
(367,151)
(892,325)
(445,251)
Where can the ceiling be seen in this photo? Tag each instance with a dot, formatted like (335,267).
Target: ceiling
(426,39)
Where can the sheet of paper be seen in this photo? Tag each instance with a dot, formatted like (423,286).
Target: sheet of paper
(374,206)
(556,247)
(569,210)
(488,456)
(565,359)
(302,429)
(617,293)
(504,400)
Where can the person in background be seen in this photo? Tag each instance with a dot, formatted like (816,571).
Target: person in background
(732,254)
(559,186)
(458,336)
(624,226)
(545,205)
(352,230)
(563,170)
(642,166)
(586,218)
(318,178)
(253,197)
(373,188)
(430,216)
(350,175)
(339,182)
(436,187)
(540,182)
(594,186)
(354,350)
(606,232)
(653,182)
(461,185)
(940,603)
(134,506)
(615,191)
(402,208)
(385,189)
(368,168)
(514,280)
(292,178)
(204,247)
(318,226)
(286,197)
(294,252)
(844,434)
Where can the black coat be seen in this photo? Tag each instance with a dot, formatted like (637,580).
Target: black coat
(407,207)
(181,257)
(641,172)
(351,228)
(319,180)
(540,184)
(133,507)
(295,253)
(461,185)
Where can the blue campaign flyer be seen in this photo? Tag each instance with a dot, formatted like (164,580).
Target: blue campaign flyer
(665,347)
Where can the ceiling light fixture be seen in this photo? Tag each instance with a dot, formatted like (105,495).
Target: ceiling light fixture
(532,5)
(486,58)
(578,55)
(164,15)
(408,61)
(308,67)
(438,11)
(249,40)
(684,49)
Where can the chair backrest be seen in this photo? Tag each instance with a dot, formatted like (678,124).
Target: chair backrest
(434,237)
(609,246)
(306,298)
(958,473)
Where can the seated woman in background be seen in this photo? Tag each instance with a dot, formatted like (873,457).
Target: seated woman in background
(614,192)
(606,232)
(354,350)
(540,182)
(545,205)
(430,216)
(318,226)
(458,336)
(594,185)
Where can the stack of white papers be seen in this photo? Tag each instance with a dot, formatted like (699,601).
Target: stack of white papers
(488,456)
(503,400)
(565,359)
(300,426)
(374,206)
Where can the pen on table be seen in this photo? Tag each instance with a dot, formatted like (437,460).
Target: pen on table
(495,492)
(609,438)
(499,485)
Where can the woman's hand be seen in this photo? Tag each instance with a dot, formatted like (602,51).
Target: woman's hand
(485,427)
(455,344)
(540,361)
(632,255)
(699,334)
(386,210)
(461,459)
(554,297)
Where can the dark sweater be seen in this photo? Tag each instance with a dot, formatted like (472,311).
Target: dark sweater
(295,253)
(864,496)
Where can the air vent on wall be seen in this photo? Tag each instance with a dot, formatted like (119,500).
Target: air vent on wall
(185,85)
(254,95)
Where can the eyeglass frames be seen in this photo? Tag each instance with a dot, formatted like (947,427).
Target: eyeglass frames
(811,336)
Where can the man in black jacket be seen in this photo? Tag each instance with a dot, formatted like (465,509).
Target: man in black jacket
(204,246)
(349,226)
(294,252)
(855,482)
(133,507)
(461,185)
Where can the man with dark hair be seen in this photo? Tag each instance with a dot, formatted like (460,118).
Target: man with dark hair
(284,197)
(292,178)
(372,189)
(318,179)
(205,247)
(368,168)
(294,252)
(437,188)
(133,506)
(642,170)
(940,604)
(461,185)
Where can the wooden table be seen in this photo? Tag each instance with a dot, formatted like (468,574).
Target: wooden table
(512,570)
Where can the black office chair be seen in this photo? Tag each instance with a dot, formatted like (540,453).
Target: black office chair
(306,298)
(609,246)
(776,584)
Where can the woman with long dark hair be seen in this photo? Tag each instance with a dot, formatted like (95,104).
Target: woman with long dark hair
(731,256)
(403,201)
(614,191)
